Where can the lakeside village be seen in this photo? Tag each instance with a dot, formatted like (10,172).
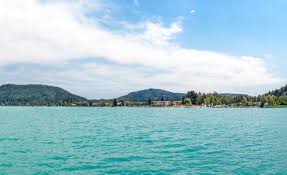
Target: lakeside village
(186,103)
(212,101)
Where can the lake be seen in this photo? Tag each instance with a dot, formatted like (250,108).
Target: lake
(56,140)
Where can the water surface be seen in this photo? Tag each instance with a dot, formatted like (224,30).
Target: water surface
(54,140)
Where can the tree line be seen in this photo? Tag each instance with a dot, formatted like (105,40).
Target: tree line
(273,98)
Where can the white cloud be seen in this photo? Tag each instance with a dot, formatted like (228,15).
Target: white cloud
(54,32)
(156,34)
(192,11)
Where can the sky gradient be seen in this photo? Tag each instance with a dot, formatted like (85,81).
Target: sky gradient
(105,49)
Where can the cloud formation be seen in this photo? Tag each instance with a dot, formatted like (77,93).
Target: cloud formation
(51,32)
(192,11)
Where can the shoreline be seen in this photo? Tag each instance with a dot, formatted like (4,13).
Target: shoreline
(192,107)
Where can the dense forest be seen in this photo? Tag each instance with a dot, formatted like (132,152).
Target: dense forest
(39,95)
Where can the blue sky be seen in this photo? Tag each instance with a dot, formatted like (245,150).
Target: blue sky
(103,48)
(256,27)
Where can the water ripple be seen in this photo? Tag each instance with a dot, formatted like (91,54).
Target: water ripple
(83,141)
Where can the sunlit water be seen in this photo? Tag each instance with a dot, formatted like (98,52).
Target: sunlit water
(46,140)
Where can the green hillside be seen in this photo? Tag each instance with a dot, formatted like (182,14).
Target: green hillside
(153,94)
(11,94)
(279,92)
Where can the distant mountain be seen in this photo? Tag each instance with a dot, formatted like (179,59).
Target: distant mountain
(153,94)
(279,92)
(11,94)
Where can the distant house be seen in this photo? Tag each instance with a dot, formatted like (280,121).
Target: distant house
(161,103)
(100,103)
(94,104)
(177,103)
(166,103)
(135,103)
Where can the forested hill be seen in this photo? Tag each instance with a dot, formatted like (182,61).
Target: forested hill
(153,94)
(11,94)
(279,92)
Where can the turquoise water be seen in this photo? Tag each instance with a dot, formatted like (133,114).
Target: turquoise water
(46,140)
